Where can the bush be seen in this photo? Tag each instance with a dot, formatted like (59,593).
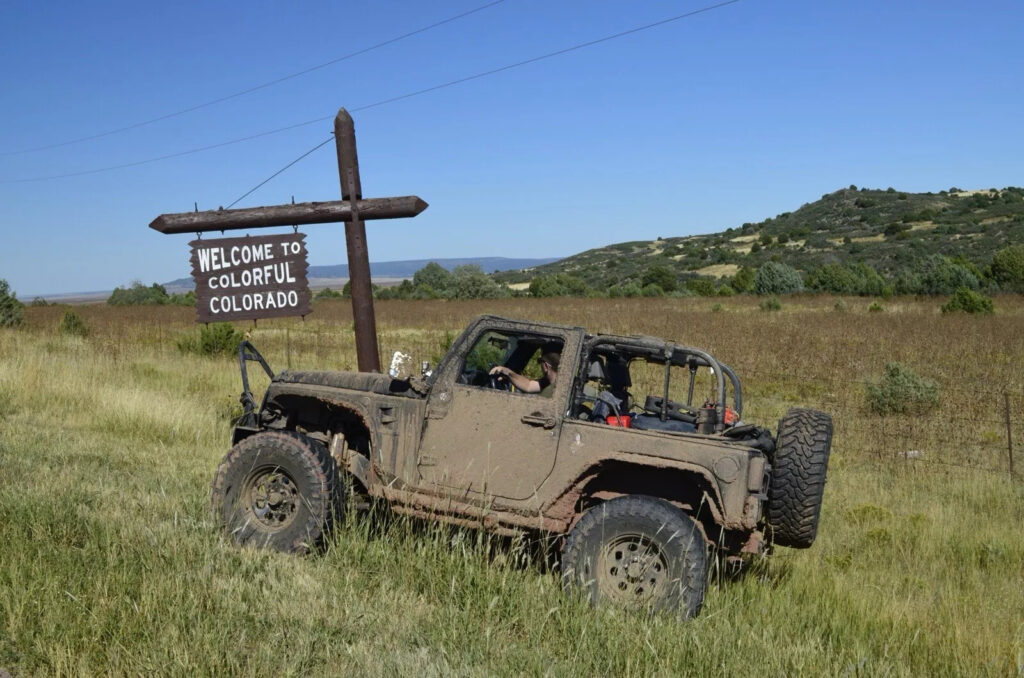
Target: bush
(902,391)
(71,325)
(968,301)
(1008,268)
(875,307)
(138,294)
(652,290)
(662,276)
(840,305)
(770,304)
(213,339)
(327,293)
(433,275)
(12,311)
(470,282)
(716,307)
(703,287)
(777,278)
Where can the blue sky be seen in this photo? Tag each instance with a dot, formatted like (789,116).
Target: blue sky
(729,116)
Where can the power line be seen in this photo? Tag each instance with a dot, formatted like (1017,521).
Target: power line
(165,157)
(256,88)
(257,186)
(549,55)
(390,100)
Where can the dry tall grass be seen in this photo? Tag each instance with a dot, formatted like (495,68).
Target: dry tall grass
(110,563)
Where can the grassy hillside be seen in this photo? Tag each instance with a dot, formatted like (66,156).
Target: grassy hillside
(111,564)
(887,229)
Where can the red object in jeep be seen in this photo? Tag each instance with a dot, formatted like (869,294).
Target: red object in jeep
(625,420)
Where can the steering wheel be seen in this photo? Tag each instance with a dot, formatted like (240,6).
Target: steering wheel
(499,382)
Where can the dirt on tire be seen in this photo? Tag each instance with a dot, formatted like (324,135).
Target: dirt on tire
(799,467)
(278,490)
(637,551)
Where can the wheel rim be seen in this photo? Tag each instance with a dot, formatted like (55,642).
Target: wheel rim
(271,497)
(631,569)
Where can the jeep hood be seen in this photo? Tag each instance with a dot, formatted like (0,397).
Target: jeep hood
(369,382)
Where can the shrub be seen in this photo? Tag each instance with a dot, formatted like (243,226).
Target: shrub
(630,290)
(434,276)
(875,307)
(840,305)
(662,276)
(213,339)
(470,282)
(968,301)
(138,294)
(652,290)
(777,278)
(726,291)
(770,304)
(71,325)
(902,391)
(702,287)
(12,311)
(327,293)
(716,307)
(743,281)
(1008,268)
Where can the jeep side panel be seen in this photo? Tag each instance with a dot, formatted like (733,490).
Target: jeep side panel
(494,445)
(689,467)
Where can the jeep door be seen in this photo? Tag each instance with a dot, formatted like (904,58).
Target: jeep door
(488,442)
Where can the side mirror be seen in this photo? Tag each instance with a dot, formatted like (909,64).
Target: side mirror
(425,370)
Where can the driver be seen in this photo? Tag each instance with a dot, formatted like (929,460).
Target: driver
(545,385)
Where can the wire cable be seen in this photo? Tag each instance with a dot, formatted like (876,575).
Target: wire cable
(390,100)
(257,186)
(165,157)
(256,88)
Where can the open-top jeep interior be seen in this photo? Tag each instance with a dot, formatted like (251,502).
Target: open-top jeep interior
(637,383)
(517,351)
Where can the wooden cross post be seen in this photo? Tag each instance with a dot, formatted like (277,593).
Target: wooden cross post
(352,209)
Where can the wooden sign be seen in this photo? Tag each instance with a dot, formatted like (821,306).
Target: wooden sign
(353,209)
(251,277)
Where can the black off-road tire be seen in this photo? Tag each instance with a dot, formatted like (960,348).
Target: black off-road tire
(797,480)
(278,490)
(640,552)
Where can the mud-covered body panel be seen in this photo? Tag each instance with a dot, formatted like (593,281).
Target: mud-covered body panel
(512,461)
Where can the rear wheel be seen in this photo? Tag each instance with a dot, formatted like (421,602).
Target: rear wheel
(639,552)
(279,490)
(797,482)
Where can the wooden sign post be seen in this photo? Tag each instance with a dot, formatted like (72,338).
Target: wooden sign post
(352,209)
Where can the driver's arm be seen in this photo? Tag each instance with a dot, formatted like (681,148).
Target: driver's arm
(524,384)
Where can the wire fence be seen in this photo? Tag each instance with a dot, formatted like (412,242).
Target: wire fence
(972,426)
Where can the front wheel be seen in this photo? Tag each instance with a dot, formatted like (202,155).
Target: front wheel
(638,552)
(279,490)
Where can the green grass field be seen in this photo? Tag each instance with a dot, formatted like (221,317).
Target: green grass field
(111,564)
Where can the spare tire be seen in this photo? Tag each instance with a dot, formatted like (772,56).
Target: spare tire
(798,477)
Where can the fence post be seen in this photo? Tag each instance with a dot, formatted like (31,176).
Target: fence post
(1009,431)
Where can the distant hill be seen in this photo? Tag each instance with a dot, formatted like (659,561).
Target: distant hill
(887,229)
(397,269)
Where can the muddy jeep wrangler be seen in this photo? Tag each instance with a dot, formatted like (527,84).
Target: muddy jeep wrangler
(633,475)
